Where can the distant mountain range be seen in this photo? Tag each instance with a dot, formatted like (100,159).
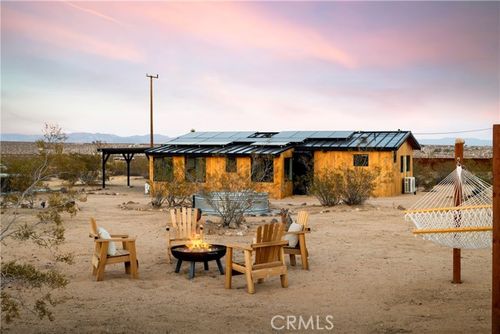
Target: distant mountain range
(451,141)
(84,137)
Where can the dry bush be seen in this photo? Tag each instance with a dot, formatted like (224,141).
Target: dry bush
(359,185)
(139,166)
(230,195)
(328,187)
(23,286)
(175,193)
(352,186)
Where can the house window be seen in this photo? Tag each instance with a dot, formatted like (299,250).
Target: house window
(402,164)
(231,165)
(288,169)
(360,160)
(408,163)
(163,169)
(262,169)
(395,156)
(195,169)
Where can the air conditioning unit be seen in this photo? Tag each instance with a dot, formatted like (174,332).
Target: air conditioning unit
(409,185)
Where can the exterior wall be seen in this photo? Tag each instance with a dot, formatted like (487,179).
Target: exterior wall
(389,181)
(216,166)
(404,150)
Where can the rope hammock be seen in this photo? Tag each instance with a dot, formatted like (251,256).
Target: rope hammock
(456,213)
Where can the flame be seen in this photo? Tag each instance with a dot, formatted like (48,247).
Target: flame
(197,244)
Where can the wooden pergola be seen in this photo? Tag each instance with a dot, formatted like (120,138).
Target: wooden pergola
(127,153)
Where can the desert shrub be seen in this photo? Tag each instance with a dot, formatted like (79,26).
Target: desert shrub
(481,168)
(139,166)
(359,185)
(424,177)
(175,193)
(351,186)
(328,187)
(230,195)
(76,167)
(24,286)
(91,164)
(428,171)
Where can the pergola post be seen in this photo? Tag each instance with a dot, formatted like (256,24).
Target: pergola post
(128,157)
(105,157)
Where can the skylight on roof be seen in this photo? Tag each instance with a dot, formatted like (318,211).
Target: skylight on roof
(263,135)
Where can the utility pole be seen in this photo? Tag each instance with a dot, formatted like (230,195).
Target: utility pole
(151,77)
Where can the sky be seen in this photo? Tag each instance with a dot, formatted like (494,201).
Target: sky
(428,67)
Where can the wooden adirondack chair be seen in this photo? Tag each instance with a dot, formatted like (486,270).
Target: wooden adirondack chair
(269,258)
(100,258)
(300,249)
(186,223)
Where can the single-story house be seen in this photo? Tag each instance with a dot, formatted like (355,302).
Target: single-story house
(278,162)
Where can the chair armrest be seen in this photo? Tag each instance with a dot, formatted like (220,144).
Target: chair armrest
(115,240)
(270,244)
(240,246)
(119,235)
(304,231)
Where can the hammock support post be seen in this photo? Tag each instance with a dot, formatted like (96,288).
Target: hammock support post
(457,261)
(495,290)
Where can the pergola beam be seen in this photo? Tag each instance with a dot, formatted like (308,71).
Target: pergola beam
(127,153)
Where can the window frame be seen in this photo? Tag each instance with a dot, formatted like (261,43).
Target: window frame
(196,173)
(163,167)
(233,166)
(288,169)
(365,160)
(268,162)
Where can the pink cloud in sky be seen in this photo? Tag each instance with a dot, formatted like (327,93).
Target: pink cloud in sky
(448,40)
(63,37)
(92,12)
(239,25)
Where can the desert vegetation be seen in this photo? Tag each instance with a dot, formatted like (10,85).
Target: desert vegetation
(430,171)
(24,286)
(351,186)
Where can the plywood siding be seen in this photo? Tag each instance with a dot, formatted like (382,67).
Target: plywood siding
(389,180)
(216,167)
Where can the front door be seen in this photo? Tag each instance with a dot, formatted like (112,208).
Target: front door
(303,168)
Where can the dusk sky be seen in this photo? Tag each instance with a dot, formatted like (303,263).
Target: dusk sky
(423,66)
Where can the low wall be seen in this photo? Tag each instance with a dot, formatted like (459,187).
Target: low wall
(259,201)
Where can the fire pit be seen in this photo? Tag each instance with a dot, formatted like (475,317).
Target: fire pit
(195,254)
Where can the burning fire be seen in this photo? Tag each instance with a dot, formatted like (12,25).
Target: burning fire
(197,244)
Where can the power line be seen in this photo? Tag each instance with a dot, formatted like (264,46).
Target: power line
(452,132)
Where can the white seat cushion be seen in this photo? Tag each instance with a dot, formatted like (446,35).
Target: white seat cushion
(103,234)
(293,239)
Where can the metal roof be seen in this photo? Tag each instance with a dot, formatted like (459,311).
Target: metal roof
(364,140)
(248,143)
(237,149)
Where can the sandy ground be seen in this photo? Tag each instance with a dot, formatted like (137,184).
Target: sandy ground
(368,273)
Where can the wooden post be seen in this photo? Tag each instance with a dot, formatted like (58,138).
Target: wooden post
(105,157)
(495,291)
(457,199)
(128,157)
